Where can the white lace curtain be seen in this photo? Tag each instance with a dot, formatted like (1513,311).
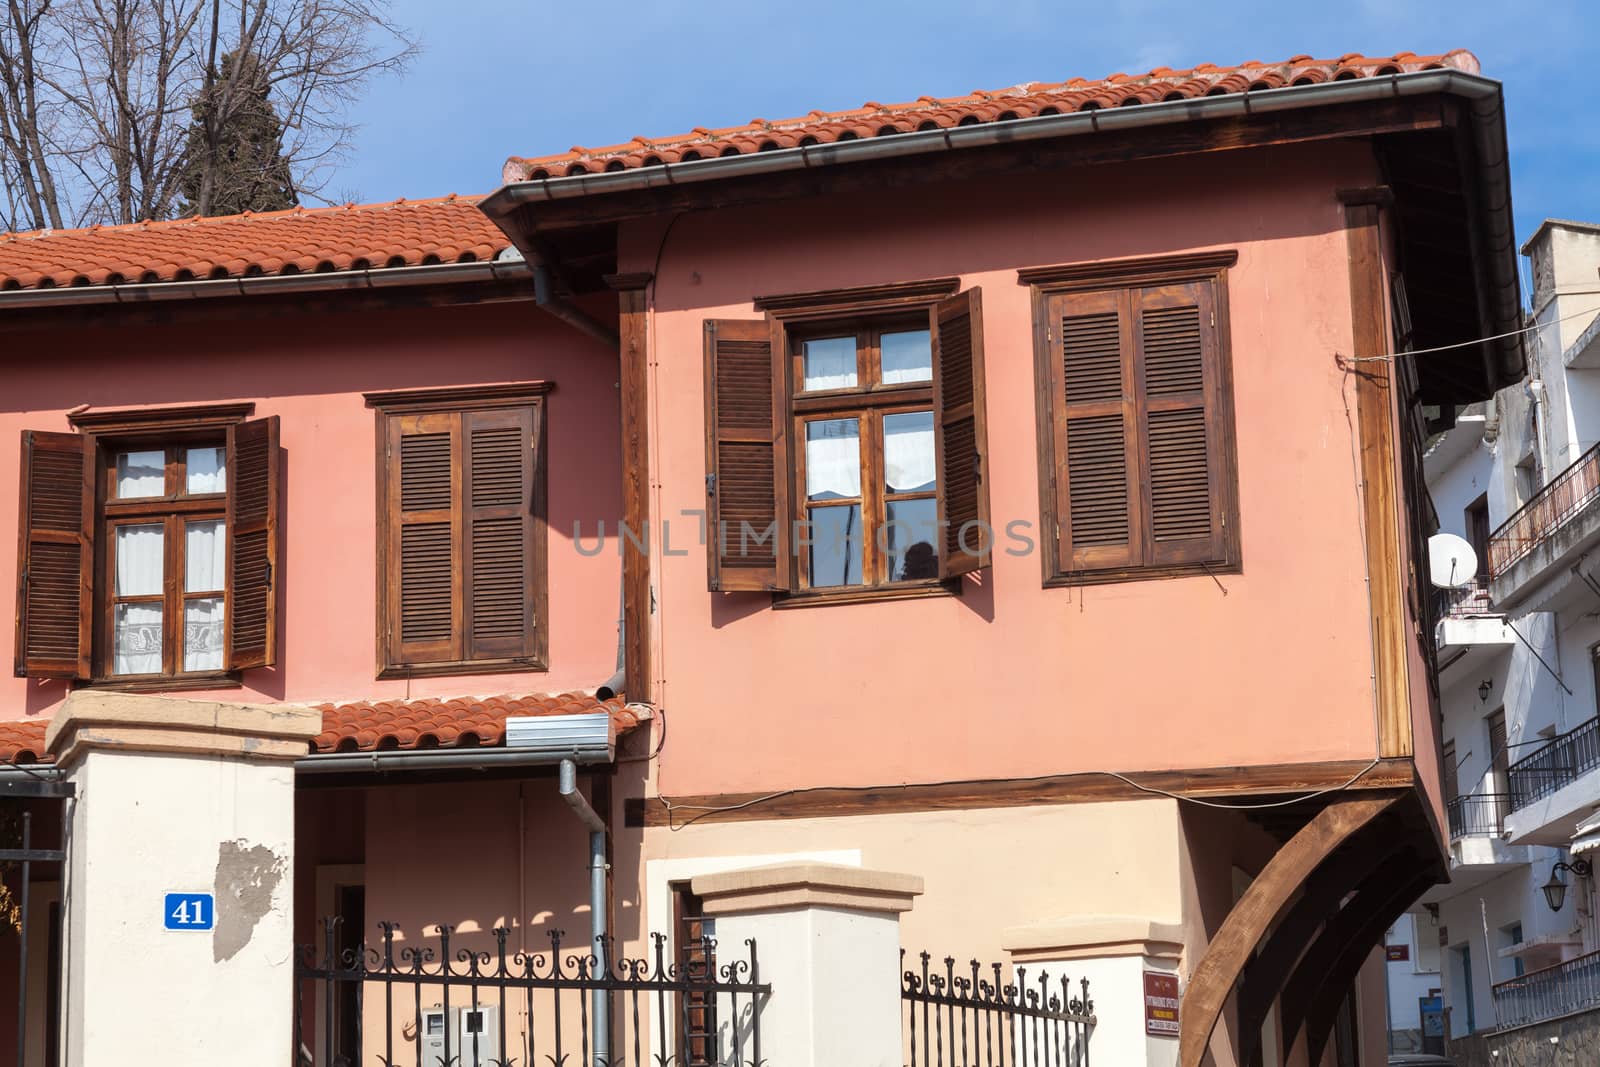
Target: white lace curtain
(833,455)
(140,567)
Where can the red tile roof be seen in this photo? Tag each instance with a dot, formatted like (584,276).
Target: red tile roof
(465,722)
(400,233)
(389,725)
(1018,102)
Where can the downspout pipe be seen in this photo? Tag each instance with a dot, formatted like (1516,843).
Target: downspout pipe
(601,1004)
(544,294)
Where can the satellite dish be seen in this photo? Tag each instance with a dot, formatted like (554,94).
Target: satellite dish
(1451,561)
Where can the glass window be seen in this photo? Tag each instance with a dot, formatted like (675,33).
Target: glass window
(835,555)
(908,463)
(907,356)
(207,470)
(140,558)
(830,363)
(142,473)
(205,550)
(833,459)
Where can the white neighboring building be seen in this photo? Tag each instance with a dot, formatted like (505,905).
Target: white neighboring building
(1519,653)
(1413,984)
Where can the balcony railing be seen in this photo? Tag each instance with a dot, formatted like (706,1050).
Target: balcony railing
(1479,815)
(1549,992)
(1560,763)
(1464,601)
(1567,494)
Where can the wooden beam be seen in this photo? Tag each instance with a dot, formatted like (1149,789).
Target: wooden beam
(1344,872)
(1261,906)
(1376,414)
(1083,787)
(1312,996)
(632,321)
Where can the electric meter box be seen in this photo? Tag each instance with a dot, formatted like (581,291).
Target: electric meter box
(481,1023)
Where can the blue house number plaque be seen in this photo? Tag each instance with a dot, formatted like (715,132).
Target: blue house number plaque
(190,911)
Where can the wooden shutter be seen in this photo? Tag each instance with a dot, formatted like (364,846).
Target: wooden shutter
(1098,503)
(747,494)
(55,557)
(961,440)
(498,541)
(423,587)
(1175,337)
(254,483)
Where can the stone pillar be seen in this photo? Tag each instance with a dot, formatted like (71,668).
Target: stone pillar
(1114,953)
(828,940)
(190,797)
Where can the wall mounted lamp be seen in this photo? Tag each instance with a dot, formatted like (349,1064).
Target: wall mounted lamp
(1555,890)
(1485,687)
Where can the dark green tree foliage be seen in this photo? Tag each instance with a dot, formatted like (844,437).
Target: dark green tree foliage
(234,159)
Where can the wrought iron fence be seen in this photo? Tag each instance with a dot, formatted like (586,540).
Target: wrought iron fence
(1561,762)
(1573,985)
(970,1020)
(459,1007)
(1567,494)
(1463,601)
(1478,815)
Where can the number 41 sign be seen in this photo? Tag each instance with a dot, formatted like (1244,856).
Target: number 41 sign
(190,911)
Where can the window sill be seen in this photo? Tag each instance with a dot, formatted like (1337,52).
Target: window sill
(1060,580)
(183,683)
(488,666)
(816,598)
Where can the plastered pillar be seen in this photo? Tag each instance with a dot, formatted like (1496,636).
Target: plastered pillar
(177,796)
(828,940)
(1114,953)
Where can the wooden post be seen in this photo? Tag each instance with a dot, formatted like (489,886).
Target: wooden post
(633,377)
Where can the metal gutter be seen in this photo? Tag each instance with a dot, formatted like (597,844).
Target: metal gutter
(269,284)
(467,759)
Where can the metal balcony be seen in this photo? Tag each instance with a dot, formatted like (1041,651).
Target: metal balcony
(1560,763)
(1479,815)
(1548,993)
(1540,539)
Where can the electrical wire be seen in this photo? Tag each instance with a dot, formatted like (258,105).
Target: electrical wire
(1389,357)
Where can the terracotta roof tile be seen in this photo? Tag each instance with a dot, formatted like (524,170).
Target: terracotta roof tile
(390,725)
(450,229)
(1028,100)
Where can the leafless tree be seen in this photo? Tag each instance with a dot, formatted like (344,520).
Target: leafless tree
(97,97)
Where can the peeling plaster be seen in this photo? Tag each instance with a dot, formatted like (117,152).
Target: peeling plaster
(247,877)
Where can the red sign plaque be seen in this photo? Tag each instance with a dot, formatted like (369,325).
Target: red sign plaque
(1160,1004)
(1397,953)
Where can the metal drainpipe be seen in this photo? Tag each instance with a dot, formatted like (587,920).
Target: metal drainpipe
(597,903)
(544,295)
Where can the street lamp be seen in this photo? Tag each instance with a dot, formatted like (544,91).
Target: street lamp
(1555,890)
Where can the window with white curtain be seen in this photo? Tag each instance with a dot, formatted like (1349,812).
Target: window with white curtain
(863,415)
(166,527)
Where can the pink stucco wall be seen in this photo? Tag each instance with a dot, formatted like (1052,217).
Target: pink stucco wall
(1010,679)
(311,371)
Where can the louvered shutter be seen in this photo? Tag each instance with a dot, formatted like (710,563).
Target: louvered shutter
(746,458)
(498,541)
(254,478)
(55,565)
(961,437)
(1176,338)
(423,591)
(1098,504)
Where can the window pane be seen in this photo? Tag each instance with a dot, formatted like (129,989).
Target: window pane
(137,641)
(833,459)
(911,538)
(202,634)
(205,551)
(908,465)
(207,470)
(907,356)
(141,558)
(830,363)
(835,536)
(142,473)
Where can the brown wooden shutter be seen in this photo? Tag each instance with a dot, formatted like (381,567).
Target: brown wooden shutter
(254,483)
(423,587)
(497,505)
(1098,503)
(55,558)
(1176,338)
(961,436)
(747,520)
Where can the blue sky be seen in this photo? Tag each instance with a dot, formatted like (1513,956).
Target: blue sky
(527,77)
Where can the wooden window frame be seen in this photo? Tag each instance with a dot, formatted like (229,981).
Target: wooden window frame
(460,400)
(1117,276)
(172,429)
(867,313)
